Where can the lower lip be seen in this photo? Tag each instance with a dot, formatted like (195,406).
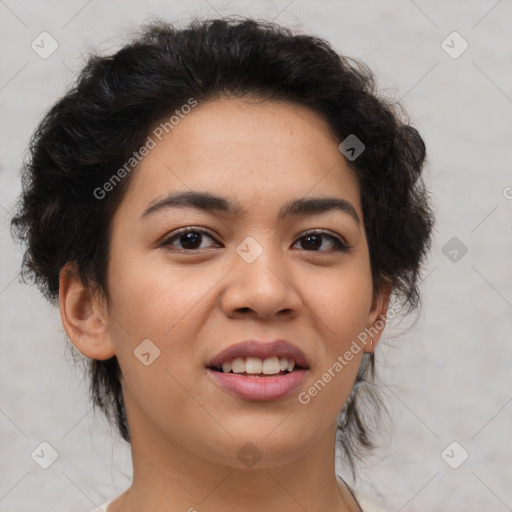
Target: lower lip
(258,388)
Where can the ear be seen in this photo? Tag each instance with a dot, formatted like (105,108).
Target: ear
(377,316)
(84,316)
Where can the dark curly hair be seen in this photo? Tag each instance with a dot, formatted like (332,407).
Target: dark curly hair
(116,100)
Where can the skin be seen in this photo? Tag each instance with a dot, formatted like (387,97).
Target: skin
(186,431)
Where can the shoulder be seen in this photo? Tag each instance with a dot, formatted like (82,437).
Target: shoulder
(103,507)
(365,504)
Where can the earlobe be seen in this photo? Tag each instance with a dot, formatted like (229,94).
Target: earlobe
(84,316)
(377,317)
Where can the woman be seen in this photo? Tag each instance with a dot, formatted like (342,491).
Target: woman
(224,213)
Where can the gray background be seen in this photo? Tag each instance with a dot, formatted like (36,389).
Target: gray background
(447,379)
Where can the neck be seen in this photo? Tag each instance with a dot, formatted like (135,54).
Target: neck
(169,477)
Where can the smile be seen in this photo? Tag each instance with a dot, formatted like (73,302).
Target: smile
(257,366)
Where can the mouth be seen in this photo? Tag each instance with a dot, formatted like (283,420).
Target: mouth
(259,371)
(257,367)
(253,357)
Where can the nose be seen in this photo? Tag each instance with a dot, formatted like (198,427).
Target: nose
(263,288)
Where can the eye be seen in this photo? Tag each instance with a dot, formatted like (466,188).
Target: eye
(312,240)
(190,239)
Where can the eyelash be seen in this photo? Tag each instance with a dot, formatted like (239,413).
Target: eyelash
(339,245)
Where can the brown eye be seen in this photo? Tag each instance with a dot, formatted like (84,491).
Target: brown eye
(189,239)
(313,241)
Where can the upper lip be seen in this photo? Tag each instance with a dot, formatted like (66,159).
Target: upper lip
(262,350)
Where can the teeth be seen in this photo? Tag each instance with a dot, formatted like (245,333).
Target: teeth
(254,365)
(238,365)
(271,366)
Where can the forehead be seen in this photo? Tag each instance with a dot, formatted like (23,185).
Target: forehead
(246,150)
(242,124)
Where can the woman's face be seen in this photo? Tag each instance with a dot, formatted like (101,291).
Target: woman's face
(246,276)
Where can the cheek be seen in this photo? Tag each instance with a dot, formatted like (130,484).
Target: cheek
(344,300)
(156,300)
(343,303)
(164,304)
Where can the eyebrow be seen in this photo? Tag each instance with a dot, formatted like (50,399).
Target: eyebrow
(213,203)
